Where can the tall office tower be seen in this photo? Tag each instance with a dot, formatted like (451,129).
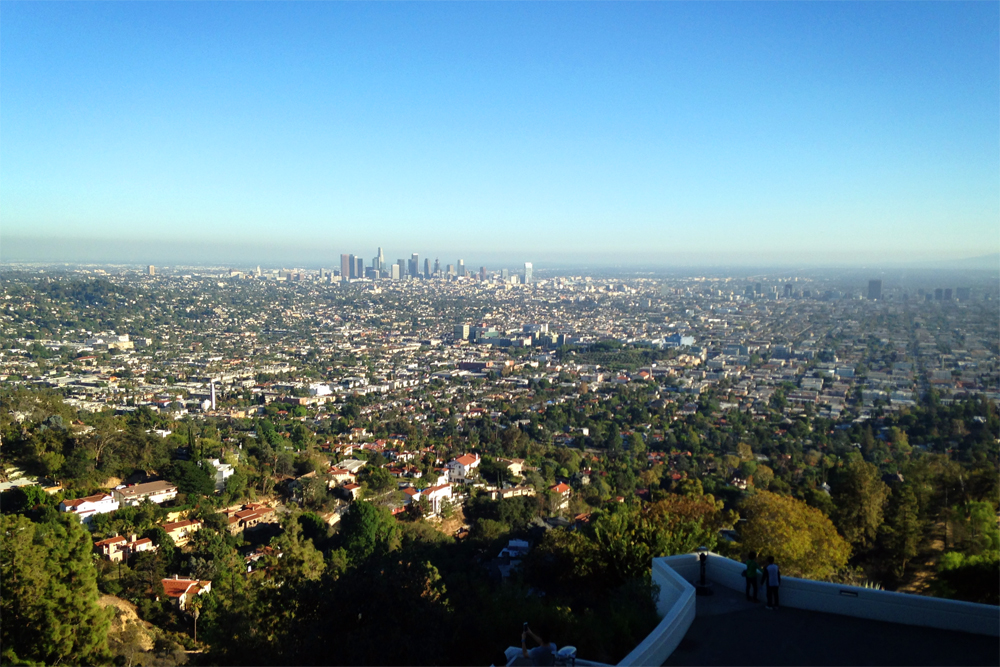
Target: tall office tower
(151,270)
(874,289)
(461,332)
(482,273)
(758,289)
(394,272)
(258,274)
(527,273)
(213,394)
(947,294)
(938,294)
(461,267)
(414,267)
(346,264)
(381,259)
(505,274)
(359,267)
(437,267)
(962,293)
(788,290)
(427,268)
(322,273)
(451,270)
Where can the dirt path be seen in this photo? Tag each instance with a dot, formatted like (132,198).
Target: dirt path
(925,565)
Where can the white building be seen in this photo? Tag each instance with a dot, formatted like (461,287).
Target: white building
(437,496)
(85,508)
(460,470)
(223,471)
(155,492)
(319,390)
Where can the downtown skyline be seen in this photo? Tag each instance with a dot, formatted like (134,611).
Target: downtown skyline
(750,134)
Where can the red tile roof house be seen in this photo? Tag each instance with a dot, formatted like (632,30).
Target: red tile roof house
(181,531)
(460,469)
(85,508)
(248,516)
(112,548)
(340,476)
(181,591)
(411,495)
(563,492)
(117,548)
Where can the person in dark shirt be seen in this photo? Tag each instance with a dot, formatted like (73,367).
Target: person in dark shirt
(751,573)
(544,653)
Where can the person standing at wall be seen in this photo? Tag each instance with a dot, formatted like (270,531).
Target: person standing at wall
(751,574)
(772,578)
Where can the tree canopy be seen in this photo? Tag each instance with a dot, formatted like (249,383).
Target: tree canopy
(803,541)
(49,603)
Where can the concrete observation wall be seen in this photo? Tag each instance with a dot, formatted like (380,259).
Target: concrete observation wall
(676,605)
(856,601)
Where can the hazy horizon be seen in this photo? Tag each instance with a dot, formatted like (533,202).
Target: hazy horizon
(102,252)
(750,134)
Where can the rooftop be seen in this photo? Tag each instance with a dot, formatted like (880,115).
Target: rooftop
(148,488)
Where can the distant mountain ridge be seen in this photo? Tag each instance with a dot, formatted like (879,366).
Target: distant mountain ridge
(990,262)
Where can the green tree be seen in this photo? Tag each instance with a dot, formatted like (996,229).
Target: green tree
(977,524)
(490,531)
(801,538)
(192,479)
(377,480)
(300,560)
(860,497)
(973,578)
(637,446)
(900,535)
(762,477)
(368,530)
(49,603)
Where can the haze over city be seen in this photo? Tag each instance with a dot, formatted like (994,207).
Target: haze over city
(601,134)
(554,333)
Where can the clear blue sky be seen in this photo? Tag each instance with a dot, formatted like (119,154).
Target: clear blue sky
(811,132)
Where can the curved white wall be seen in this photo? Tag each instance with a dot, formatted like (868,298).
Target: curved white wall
(853,600)
(676,604)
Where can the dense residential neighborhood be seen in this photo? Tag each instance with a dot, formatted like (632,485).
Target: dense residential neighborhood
(213,445)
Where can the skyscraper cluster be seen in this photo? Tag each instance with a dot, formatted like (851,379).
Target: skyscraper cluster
(352,267)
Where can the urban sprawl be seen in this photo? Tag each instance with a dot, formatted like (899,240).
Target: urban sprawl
(246,436)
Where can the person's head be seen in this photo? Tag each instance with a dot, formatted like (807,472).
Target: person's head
(751,555)
(770,560)
(543,634)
